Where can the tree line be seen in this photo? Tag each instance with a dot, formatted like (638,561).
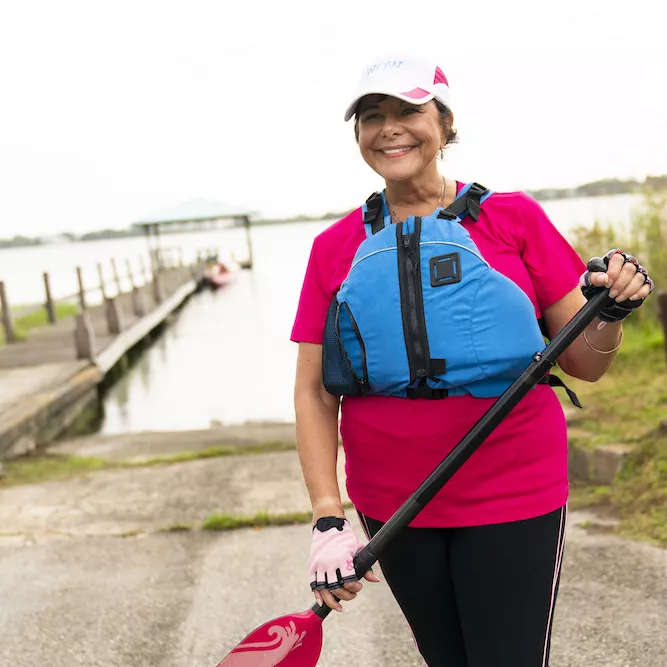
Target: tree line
(607,186)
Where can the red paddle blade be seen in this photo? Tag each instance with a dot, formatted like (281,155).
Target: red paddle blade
(288,641)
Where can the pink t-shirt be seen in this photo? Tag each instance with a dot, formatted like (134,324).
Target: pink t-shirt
(392,444)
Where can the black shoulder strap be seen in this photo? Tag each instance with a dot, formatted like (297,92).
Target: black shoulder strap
(555,381)
(468,204)
(373,214)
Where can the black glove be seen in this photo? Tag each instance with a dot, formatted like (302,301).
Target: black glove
(614,311)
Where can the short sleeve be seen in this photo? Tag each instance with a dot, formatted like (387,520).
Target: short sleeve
(314,300)
(553,264)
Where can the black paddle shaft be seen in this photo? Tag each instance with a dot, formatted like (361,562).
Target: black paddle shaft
(538,368)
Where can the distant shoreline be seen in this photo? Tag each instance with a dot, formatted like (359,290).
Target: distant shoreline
(600,188)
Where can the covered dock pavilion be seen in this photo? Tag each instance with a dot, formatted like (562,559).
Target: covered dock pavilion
(196,215)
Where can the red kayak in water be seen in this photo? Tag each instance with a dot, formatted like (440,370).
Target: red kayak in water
(219,275)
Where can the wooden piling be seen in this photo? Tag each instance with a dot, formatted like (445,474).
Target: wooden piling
(49,304)
(82,291)
(84,337)
(138,302)
(113,315)
(116,277)
(7,318)
(158,294)
(100,273)
(246,223)
(130,277)
(144,275)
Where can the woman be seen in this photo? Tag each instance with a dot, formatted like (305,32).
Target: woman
(476,573)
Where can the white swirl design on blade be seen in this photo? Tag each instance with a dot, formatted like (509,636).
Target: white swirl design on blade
(266,654)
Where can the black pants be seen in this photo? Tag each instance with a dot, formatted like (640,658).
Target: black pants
(481,596)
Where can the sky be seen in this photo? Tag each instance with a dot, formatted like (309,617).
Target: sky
(110,111)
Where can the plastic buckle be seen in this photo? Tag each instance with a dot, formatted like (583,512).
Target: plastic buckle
(446,215)
(474,194)
(373,207)
(424,391)
(477,189)
(373,215)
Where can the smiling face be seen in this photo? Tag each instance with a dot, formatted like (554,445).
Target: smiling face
(398,140)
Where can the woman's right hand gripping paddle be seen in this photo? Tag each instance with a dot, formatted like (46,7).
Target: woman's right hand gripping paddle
(331,562)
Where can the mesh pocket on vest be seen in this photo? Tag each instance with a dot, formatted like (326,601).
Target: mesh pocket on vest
(338,375)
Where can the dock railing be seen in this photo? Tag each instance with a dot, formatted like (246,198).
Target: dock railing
(122,289)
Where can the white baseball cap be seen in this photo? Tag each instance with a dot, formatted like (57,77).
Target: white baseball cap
(409,79)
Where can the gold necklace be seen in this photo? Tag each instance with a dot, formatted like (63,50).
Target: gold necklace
(441,199)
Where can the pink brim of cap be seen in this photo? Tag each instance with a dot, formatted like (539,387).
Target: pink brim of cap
(416,95)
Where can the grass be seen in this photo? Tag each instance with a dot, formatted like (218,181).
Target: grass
(45,467)
(631,399)
(227,522)
(589,496)
(217,452)
(259,520)
(640,495)
(638,498)
(23,324)
(629,405)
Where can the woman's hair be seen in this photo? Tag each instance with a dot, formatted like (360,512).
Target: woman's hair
(446,118)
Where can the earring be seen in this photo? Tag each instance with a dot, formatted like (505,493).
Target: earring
(442,152)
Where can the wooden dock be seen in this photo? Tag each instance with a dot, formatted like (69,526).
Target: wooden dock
(50,379)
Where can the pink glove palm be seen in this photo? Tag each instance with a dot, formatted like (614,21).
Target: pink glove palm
(332,552)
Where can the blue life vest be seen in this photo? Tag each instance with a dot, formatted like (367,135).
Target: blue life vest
(421,314)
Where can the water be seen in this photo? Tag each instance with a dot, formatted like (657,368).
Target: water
(227,357)
(22,268)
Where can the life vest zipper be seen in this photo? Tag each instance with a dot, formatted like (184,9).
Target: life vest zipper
(412,301)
